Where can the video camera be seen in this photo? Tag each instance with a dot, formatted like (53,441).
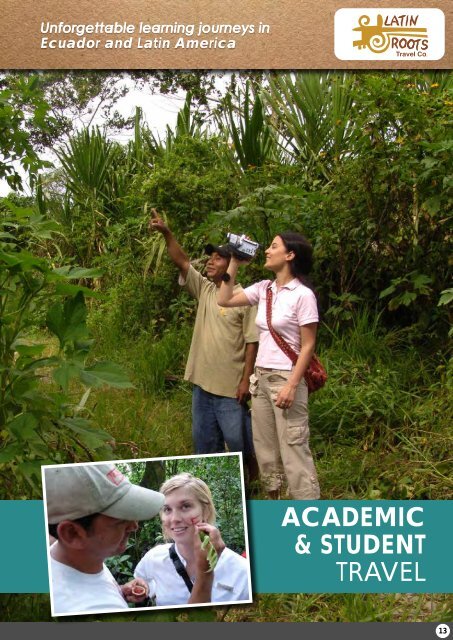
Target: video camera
(241,246)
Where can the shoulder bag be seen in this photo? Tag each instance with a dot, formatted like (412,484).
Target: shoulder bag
(315,375)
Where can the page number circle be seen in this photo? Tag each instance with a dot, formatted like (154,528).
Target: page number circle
(442,631)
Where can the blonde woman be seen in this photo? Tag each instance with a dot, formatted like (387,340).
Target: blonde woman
(177,572)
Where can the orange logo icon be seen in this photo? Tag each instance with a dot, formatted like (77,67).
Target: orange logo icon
(393,31)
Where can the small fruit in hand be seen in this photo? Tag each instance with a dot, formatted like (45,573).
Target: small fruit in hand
(212,555)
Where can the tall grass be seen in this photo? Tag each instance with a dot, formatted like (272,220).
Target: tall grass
(154,419)
(270,607)
(345,607)
(380,428)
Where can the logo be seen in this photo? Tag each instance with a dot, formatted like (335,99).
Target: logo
(389,34)
(115,476)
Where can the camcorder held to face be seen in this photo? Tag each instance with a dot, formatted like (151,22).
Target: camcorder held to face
(242,247)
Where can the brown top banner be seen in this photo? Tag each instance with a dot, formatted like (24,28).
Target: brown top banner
(225,34)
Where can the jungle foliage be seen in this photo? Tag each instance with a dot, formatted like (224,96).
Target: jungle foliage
(359,162)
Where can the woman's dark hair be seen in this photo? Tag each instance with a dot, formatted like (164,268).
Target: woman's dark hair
(303,254)
(86,522)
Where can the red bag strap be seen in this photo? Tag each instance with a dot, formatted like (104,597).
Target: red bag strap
(281,342)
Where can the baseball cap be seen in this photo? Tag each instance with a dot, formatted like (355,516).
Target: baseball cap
(76,491)
(222,249)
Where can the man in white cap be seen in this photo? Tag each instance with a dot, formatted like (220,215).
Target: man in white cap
(91,511)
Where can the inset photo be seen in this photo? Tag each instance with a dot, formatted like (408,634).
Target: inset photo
(146,534)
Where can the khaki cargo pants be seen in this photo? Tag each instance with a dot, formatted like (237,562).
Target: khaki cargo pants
(281,436)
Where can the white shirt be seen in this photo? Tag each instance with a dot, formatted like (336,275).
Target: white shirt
(293,306)
(231,578)
(75,592)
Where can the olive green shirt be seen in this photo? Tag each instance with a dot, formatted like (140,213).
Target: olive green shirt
(217,352)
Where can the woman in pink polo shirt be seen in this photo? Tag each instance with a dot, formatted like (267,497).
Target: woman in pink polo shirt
(279,391)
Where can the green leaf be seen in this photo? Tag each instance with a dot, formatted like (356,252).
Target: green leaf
(420,280)
(24,261)
(39,364)
(429,162)
(433,204)
(407,298)
(68,321)
(446,297)
(387,292)
(67,289)
(65,373)
(28,349)
(31,472)
(11,452)
(23,426)
(92,438)
(107,373)
(44,229)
